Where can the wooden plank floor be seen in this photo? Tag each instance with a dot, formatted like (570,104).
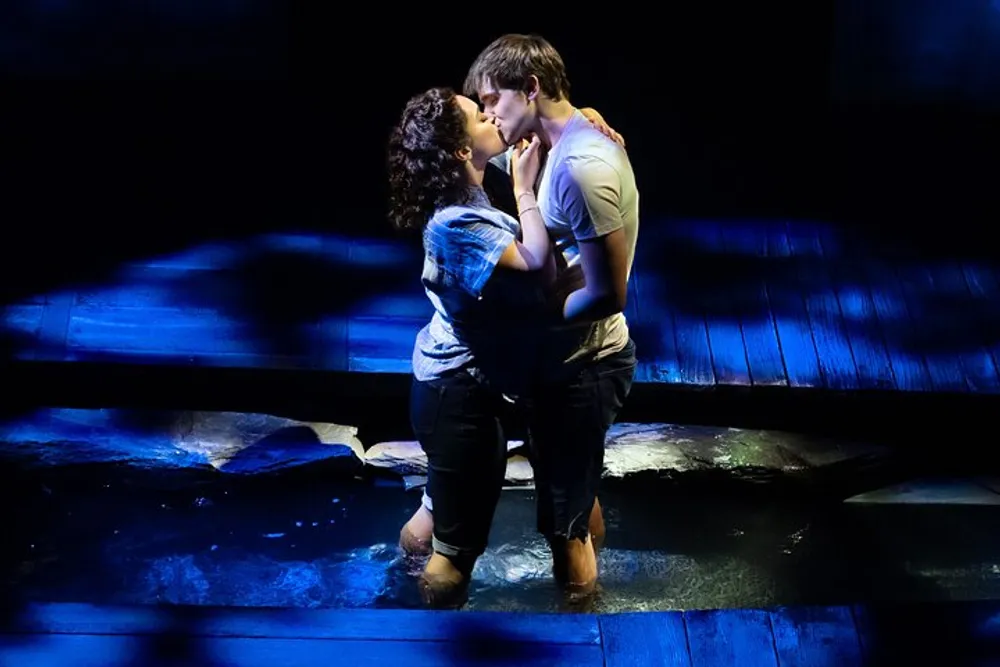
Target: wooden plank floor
(721,302)
(81,635)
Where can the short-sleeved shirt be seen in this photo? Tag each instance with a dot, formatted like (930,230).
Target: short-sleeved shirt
(481,321)
(586,189)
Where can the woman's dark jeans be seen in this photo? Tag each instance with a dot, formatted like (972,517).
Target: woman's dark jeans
(457,422)
(456,419)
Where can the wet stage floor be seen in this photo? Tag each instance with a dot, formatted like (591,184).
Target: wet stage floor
(107,535)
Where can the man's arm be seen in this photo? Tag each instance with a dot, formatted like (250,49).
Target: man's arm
(591,191)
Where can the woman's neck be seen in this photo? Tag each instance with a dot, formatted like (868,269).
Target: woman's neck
(475,172)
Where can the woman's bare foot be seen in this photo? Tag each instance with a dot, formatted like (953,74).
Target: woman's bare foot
(416,535)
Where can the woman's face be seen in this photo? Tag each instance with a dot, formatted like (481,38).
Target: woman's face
(483,134)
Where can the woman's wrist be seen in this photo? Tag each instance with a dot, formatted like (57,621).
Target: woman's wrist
(526,204)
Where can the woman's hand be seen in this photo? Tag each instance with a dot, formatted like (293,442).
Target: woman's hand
(597,120)
(526,162)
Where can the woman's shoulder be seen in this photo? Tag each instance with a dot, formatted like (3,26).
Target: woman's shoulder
(471,217)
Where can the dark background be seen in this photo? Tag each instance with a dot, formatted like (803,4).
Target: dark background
(134,129)
(136,132)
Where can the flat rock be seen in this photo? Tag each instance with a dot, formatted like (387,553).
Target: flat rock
(403,457)
(519,471)
(407,459)
(931,492)
(671,450)
(668,448)
(230,442)
(251,444)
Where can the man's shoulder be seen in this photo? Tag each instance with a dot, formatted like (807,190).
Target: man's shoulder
(584,138)
(589,163)
(588,147)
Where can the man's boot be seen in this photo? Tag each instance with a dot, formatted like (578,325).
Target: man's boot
(596,526)
(444,584)
(574,566)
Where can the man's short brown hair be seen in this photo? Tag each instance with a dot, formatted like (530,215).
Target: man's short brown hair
(511,59)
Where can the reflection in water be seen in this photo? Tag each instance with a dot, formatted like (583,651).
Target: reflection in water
(514,577)
(308,545)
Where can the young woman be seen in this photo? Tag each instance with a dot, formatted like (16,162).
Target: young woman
(484,273)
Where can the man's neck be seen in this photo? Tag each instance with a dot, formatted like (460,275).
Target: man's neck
(553,117)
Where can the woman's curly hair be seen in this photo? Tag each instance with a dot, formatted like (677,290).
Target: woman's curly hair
(424,171)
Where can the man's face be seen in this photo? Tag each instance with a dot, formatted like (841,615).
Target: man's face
(511,111)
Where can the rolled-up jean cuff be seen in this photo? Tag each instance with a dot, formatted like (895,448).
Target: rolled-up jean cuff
(448,550)
(427,502)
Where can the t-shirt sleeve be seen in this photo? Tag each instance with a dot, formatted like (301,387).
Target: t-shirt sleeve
(502,161)
(589,191)
(471,246)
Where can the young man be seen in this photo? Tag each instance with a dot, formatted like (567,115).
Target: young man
(589,200)
(588,197)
